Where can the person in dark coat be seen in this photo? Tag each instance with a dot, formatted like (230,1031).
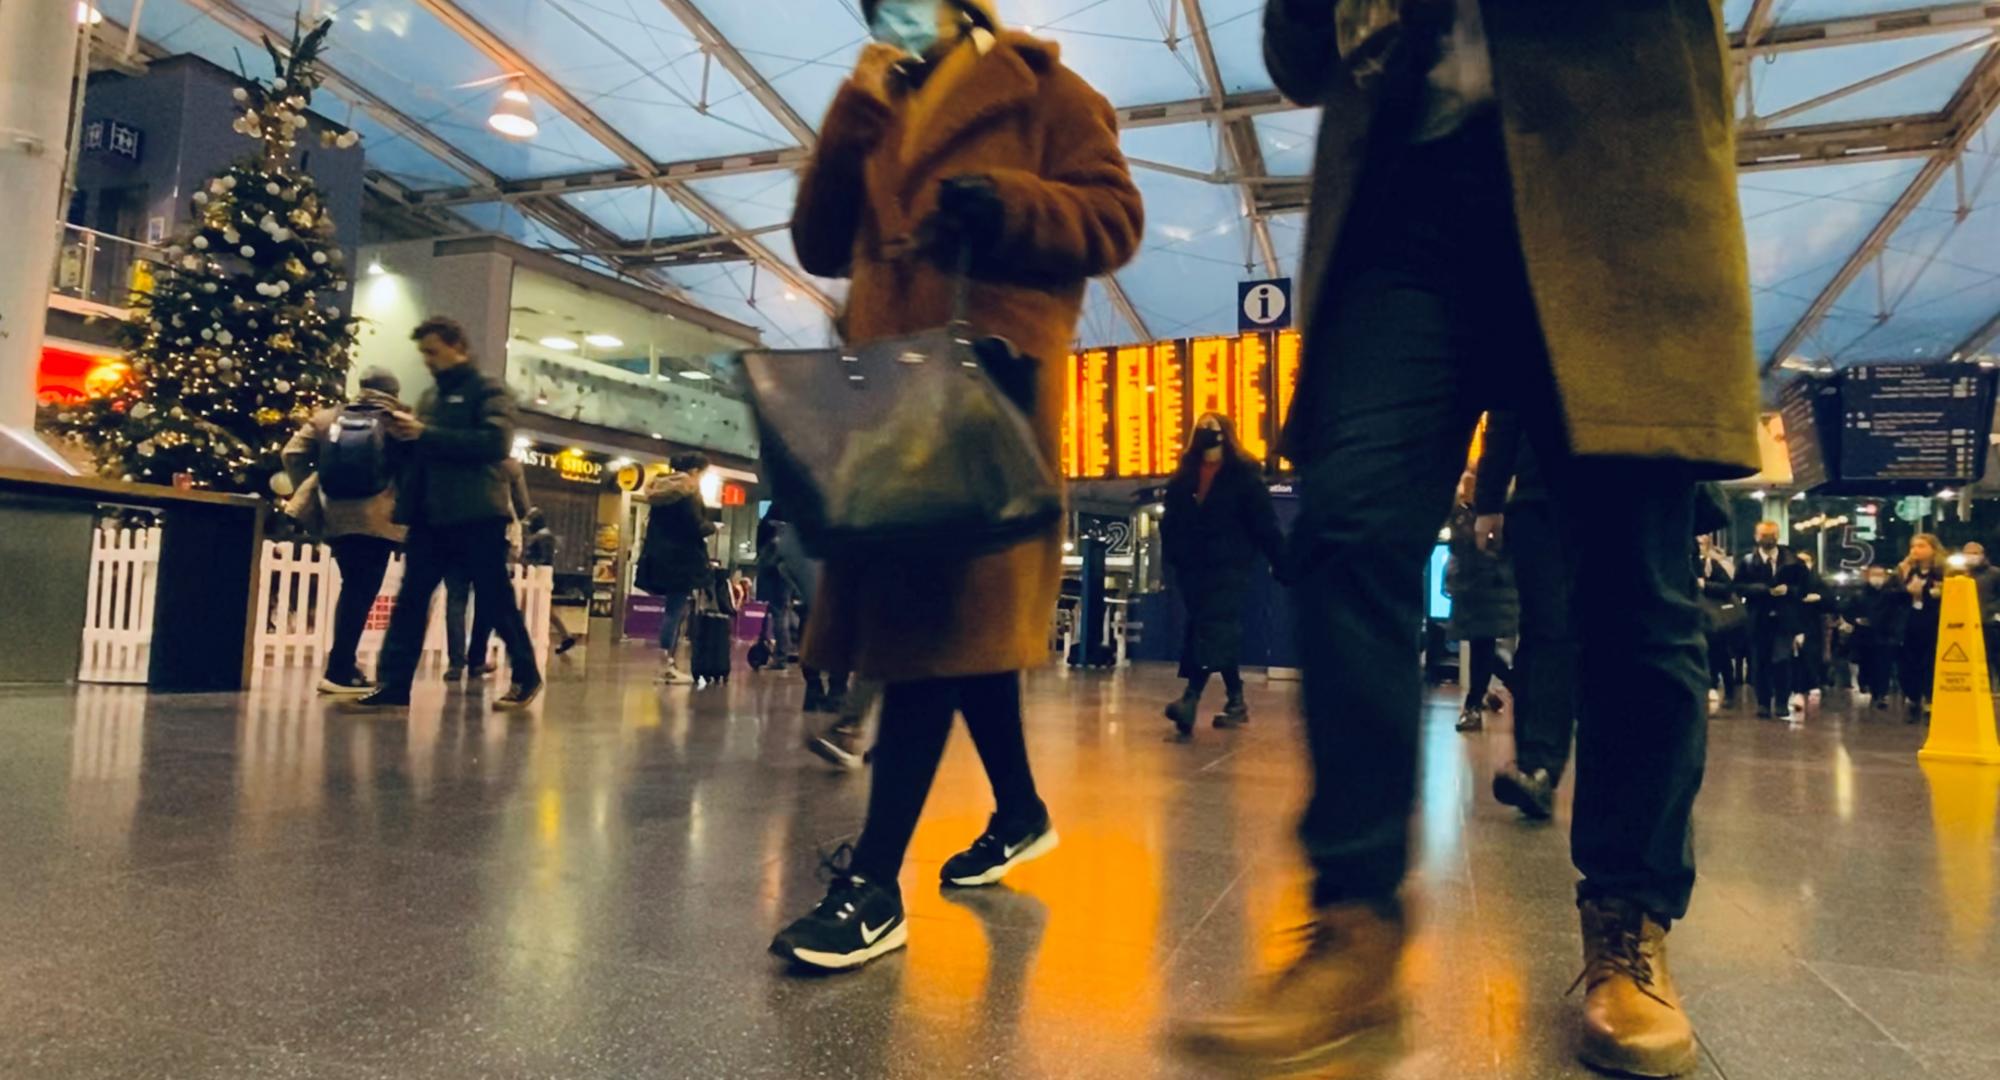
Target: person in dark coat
(1517,516)
(1725,621)
(774,588)
(1218,524)
(1922,578)
(454,497)
(1485,606)
(1880,614)
(1773,582)
(673,558)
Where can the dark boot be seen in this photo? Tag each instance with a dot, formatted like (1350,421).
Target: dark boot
(1532,793)
(1470,720)
(1633,1022)
(1184,713)
(1343,988)
(1235,713)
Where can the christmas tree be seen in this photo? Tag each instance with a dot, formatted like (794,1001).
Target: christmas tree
(246,331)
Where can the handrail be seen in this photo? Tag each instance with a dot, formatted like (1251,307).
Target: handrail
(103,268)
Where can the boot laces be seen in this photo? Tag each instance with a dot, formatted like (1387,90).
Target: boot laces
(1622,952)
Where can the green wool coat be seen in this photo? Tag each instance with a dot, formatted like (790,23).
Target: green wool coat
(1621,142)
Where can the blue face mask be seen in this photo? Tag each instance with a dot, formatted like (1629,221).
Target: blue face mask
(910,25)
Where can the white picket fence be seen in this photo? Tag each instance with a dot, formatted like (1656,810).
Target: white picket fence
(297,584)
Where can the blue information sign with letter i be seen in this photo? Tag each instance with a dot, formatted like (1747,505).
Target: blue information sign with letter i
(1264,305)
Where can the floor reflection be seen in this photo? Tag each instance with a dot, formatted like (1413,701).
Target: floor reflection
(586,890)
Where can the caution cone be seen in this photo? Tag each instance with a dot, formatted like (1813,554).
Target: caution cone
(1962,698)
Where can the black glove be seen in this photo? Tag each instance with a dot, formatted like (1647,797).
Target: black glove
(969,218)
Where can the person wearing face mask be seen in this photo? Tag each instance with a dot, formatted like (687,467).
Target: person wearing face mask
(1880,615)
(1218,523)
(1922,578)
(1986,577)
(1773,582)
(956,144)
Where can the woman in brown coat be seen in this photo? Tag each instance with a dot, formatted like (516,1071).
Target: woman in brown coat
(952,135)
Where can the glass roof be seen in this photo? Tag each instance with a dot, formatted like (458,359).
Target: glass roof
(634,65)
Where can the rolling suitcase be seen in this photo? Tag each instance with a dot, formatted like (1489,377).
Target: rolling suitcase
(711,645)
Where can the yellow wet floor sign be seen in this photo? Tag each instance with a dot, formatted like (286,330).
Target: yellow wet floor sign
(1962,698)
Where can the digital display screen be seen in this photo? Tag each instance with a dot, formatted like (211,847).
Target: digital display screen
(1129,409)
(1087,426)
(1925,422)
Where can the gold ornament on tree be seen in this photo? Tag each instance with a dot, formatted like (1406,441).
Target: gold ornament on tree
(268,416)
(282,342)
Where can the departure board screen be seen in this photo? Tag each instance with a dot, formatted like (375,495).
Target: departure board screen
(1150,409)
(1130,408)
(1087,426)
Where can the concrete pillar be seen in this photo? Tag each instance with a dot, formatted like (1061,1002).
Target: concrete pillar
(38,47)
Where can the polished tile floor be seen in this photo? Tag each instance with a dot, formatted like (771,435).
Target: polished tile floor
(253,886)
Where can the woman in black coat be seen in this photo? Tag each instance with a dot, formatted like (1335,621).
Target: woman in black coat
(1485,606)
(1922,577)
(673,560)
(1218,522)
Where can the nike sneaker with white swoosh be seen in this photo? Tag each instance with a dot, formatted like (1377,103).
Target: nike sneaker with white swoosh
(1000,849)
(858,921)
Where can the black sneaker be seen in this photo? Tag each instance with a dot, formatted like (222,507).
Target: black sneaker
(858,921)
(567,643)
(345,686)
(383,698)
(519,695)
(996,852)
(1469,721)
(839,744)
(454,672)
(478,671)
(1532,793)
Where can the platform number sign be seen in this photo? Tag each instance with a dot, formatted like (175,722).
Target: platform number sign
(1264,305)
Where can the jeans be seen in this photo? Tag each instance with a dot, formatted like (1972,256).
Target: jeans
(479,551)
(1431,321)
(672,621)
(363,560)
(1544,682)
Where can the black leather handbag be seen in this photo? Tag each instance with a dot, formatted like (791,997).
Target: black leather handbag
(905,448)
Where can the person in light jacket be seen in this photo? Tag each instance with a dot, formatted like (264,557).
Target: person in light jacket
(361,531)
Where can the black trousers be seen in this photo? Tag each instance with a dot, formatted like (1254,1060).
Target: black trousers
(479,551)
(363,560)
(1485,666)
(916,725)
(1232,682)
(1431,321)
(1544,682)
(1772,668)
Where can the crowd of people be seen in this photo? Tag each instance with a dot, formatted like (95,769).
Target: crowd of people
(1523,217)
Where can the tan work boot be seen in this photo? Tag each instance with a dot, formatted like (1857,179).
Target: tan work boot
(1633,1022)
(1344,987)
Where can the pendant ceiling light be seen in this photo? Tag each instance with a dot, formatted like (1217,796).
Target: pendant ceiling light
(514,115)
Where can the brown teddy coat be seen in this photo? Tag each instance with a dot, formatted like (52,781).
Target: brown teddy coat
(1050,145)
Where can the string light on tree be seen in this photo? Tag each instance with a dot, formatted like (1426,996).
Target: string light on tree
(230,346)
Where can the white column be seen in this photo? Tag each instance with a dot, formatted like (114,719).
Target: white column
(38,49)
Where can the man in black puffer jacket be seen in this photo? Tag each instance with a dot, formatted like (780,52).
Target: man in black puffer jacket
(454,498)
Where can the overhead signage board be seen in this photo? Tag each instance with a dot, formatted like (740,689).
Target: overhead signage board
(1914,422)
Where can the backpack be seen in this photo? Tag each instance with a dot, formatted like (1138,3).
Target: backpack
(354,453)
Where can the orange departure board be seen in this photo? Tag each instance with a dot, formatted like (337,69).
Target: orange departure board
(1086,426)
(1253,406)
(1287,380)
(1130,408)
(1150,409)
